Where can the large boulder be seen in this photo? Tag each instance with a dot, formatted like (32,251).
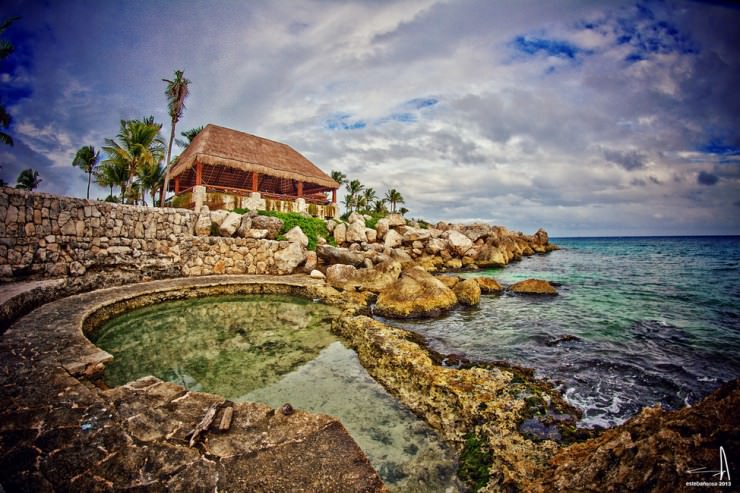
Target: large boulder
(435,245)
(411,235)
(333,255)
(467,292)
(392,239)
(490,256)
(382,227)
(458,242)
(356,217)
(218,216)
(356,232)
(290,257)
(230,224)
(489,285)
(377,278)
(340,233)
(296,235)
(415,294)
(395,219)
(273,225)
(533,286)
(339,275)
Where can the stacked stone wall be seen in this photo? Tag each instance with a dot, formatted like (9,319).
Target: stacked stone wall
(44,235)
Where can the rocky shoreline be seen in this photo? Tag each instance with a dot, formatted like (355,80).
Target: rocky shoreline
(513,432)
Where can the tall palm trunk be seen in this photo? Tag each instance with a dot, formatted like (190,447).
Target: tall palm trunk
(89,178)
(167,165)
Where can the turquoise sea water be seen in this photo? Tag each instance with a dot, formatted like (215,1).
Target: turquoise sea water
(654,320)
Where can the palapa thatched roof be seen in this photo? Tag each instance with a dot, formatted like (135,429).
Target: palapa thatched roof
(219,146)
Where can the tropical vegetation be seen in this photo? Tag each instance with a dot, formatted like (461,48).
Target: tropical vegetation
(6,48)
(28,179)
(87,159)
(359,198)
(177,90)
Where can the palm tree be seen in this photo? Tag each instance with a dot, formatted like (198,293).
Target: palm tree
(139,144)
(189,135)
(6,48)
(403,211)
(354,189)
(394,197)
(113,172)
(379,206)
(86,159)
(176,92)
(151,177)
(368,196)
(339,177)
(28,179)
(349,202)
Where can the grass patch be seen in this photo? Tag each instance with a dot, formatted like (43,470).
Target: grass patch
(313,227)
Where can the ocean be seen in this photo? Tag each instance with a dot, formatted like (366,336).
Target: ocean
(637,321)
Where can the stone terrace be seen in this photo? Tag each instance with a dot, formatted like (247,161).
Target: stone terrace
(60,432)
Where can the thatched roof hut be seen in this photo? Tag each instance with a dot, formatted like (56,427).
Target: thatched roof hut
(222,159)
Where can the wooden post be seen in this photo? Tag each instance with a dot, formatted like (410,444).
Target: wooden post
(255,181)
(300,189)
(177,184)
(198,173)
(334,196)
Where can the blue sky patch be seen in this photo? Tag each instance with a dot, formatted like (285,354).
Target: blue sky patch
(342,121)
(419,103)
(550,47)
(720,148)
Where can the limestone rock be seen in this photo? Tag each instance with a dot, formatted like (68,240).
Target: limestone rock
(287,259)
(392,239)
(459,243)
(245,226)
(356,217)
(257,234)
(339,275)
(340,233)
(203,225)
(377,278)
(489,285)
(296,235)
(382,227)
(76,269)
(230,224)
(435,245)
(356,232)
(533,286)
(312,261)
(395,219)
(490,256)
(218,217)
(371,234)
(273,225)
(317,274)
(415,294)
(333,255)
(449,281)
(467,292)
(411,235)
(654,448)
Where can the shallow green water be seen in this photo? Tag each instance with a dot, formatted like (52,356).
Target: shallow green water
(278,349)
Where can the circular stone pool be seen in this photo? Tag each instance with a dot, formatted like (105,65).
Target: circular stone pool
(276,349)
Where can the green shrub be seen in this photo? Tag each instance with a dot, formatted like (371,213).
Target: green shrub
(313,227)
(374,218)
(214,230)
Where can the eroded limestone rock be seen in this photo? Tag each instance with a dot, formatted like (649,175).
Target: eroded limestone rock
(533,286)
(467,292)
(415,294)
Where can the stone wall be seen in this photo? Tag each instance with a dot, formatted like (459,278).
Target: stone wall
(43,235)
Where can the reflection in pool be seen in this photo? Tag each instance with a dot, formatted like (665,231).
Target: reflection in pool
(277,349)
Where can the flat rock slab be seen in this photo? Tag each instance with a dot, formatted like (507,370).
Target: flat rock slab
(59,432)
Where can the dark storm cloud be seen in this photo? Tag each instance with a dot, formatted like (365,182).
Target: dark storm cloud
(704,178)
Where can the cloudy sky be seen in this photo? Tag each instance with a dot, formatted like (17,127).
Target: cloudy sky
(586,118)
